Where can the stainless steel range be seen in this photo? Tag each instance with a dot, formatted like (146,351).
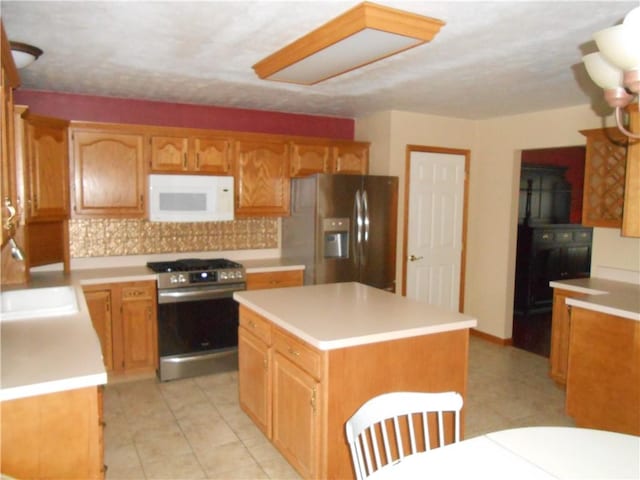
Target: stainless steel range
(197,316)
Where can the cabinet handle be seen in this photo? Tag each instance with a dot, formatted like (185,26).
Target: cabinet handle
(293,352)
(266,364)
(184,162)
(251,324)
(198,161)
(141,201)
(35,201)
(10,220)
(313,400)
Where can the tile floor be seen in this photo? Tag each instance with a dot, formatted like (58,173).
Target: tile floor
(194,428)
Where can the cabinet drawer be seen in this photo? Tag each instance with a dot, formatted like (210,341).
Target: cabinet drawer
(139,290)
(582,236)
(543,236)
(256,324)
(298,352)
(286,278)
(562,237)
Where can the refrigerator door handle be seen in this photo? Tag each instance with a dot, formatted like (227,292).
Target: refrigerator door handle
(365,221)
(357,215)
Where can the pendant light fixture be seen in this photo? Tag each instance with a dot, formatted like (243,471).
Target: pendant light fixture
(616,67)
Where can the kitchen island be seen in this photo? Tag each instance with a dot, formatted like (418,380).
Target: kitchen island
(310,356)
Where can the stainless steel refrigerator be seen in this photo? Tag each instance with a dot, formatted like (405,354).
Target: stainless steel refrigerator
(343,228)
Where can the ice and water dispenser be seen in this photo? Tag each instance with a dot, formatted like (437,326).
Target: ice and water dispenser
(335,234)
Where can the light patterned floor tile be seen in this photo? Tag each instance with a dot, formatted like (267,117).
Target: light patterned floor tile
(173,467)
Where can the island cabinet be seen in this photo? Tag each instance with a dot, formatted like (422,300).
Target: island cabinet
(202,154)
(300,395)
(56,435)
(261,175)
(560,328)
(603,382)
(124,317)
(275,279)
(108,171)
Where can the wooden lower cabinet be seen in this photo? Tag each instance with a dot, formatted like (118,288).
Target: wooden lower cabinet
(253,362)
(310,393)
(296,435)
(54,436)
(276,279)
(560,327)
(124,316)
(603,381)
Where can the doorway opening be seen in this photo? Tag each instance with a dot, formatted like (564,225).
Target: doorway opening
(552,244)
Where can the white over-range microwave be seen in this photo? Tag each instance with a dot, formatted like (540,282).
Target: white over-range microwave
(190,198)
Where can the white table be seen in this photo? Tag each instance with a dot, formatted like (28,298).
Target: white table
(527,453)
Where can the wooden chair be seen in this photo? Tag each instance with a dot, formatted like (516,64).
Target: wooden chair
(392,422)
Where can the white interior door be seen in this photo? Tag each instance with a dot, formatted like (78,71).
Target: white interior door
(435,228)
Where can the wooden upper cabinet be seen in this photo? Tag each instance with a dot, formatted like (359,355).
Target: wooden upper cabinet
(631,217)
(329,156)
(261,178)
(46,168)
(109,174)
(604,177)
(9,80)
(351,158)
(182,154)
(308,158)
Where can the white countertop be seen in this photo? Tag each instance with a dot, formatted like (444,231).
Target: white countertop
(50,354)
(47,355)
(339,315)
(621,299)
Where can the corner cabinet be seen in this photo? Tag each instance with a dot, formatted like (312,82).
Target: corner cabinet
(108,172)
(206,154)
(261,177)
(631,217)
(124,316)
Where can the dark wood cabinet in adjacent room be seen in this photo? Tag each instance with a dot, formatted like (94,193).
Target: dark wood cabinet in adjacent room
(546,253)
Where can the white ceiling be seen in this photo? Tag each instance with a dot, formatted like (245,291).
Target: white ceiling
(490,59)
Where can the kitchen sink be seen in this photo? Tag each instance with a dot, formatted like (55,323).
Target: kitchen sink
(37,303)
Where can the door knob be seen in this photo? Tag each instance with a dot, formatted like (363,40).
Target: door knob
(413,258)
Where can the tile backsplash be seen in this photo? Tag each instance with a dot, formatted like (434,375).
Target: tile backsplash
(109,237)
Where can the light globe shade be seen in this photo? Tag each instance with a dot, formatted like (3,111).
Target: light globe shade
(603,74)
(633,18)
(621,45)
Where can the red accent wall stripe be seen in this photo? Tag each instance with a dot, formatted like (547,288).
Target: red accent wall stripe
(133,111)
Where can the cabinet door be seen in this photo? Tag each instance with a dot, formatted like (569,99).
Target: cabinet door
(577,261)
(99,304)
(254,382)
(139,329)
(9,80)
(47,168)
(262,178)
(169,154)
(351,159)
(631,216)
(108,174)
(559,355)
(296,416)
(212,155)
(307,159)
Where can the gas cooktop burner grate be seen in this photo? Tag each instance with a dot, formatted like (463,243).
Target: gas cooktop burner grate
(192,265)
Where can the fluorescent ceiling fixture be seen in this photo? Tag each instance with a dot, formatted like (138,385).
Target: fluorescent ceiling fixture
(362,35)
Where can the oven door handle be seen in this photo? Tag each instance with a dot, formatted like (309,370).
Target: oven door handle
(174,296)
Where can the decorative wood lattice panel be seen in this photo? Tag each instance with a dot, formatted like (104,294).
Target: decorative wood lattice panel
(605,166)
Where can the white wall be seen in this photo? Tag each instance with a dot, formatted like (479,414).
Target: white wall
(495,146)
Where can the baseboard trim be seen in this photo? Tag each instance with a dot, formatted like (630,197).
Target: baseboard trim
(505,342)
